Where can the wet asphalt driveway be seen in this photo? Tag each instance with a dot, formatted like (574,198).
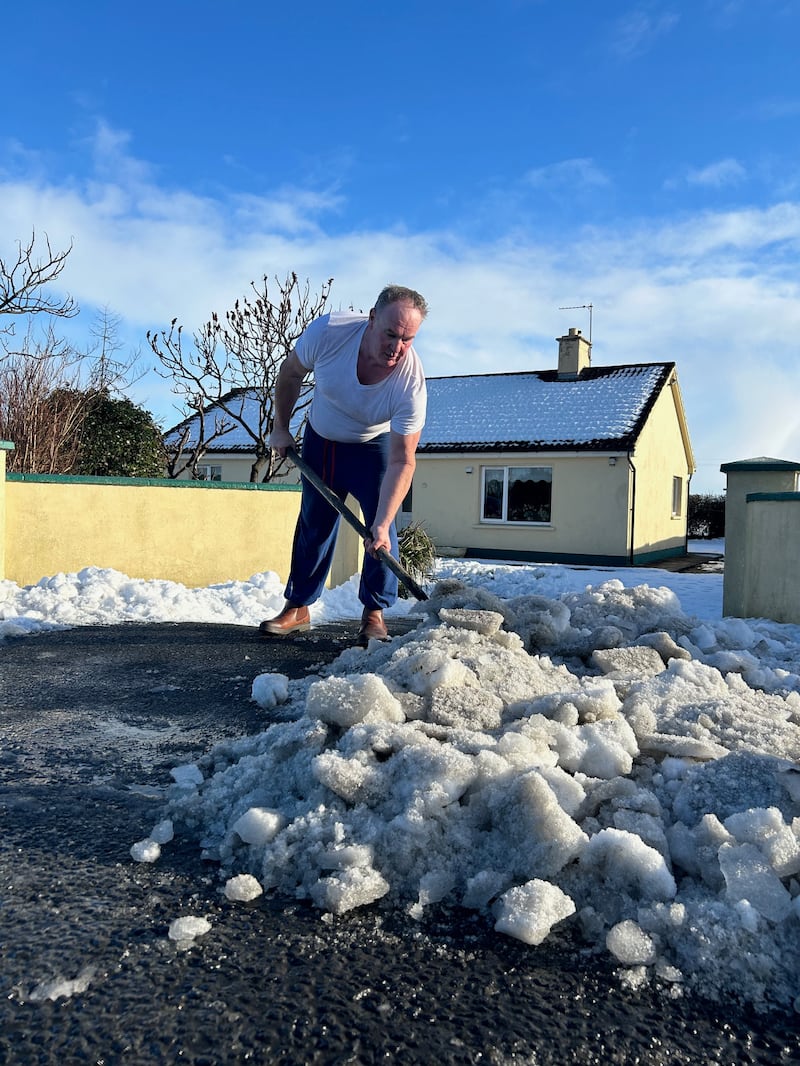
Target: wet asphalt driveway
(91,722)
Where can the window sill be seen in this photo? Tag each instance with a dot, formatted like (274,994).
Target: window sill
(489,523)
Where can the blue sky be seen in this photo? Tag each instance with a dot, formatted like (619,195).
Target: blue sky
(507,160)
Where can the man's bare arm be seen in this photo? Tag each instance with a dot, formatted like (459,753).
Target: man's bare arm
(394,487)
(288,384)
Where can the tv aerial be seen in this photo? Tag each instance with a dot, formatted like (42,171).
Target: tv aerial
(582,307)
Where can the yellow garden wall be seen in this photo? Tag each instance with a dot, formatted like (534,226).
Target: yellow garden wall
(5,446)
(195,533)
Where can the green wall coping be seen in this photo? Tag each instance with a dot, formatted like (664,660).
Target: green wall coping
(783,497)
(7,446)
(765,464)
(70,479)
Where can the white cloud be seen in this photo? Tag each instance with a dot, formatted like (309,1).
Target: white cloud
(716,175)
(775,108)
(637,31)
(567,173)
(109,148)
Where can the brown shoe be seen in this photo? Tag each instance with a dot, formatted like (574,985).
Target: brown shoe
(292,619)
(373,627)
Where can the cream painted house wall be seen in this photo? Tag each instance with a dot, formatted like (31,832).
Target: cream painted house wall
(662,453)
(235,468)
(588,505)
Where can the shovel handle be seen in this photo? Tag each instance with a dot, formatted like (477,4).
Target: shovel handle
(385,557)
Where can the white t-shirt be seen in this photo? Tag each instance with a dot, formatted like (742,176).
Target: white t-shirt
(343,409)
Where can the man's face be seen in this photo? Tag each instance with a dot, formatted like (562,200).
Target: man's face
(391,333)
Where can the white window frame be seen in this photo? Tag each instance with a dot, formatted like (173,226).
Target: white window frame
(205,472)
(677,497)
(503,519)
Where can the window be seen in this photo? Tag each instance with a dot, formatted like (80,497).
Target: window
(517,493)
(208,473)
(677,496)
(407,506)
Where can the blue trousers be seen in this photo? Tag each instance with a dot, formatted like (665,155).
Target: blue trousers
(357,469)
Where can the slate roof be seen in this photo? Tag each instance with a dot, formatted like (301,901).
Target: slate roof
(243,403)
(604,409)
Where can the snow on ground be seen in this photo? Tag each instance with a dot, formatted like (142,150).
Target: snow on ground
(552,747)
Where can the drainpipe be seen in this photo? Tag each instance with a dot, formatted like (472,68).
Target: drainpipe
(632,469)
(688,494)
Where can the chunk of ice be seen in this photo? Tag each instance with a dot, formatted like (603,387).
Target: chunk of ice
(188,927)
(146,850)
(258,825)
(629,943)
(749,877)
(529,912)
(243,888)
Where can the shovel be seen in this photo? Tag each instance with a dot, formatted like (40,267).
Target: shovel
(385,557)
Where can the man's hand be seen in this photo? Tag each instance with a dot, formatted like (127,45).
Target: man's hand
(280,440)
(379,539)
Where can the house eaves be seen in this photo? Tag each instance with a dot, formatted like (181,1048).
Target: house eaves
(682,424)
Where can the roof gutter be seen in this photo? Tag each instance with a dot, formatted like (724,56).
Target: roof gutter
(632,469)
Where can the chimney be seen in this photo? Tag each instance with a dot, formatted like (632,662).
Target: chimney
(574,354)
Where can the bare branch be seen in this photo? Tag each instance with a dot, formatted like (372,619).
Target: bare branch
(231,369)
(22,282)
(111,372)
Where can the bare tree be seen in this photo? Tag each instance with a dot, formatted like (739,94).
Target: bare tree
(110,372)
(227,378)
(48,389)
(22,283)
(42,407)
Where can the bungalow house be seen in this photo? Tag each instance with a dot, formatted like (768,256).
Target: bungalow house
(581,464)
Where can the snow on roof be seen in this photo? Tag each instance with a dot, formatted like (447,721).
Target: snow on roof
(243,404)
(604,407)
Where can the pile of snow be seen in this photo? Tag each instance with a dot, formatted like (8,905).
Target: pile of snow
(600,762)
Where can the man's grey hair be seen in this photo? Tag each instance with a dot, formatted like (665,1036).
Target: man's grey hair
(391,294)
